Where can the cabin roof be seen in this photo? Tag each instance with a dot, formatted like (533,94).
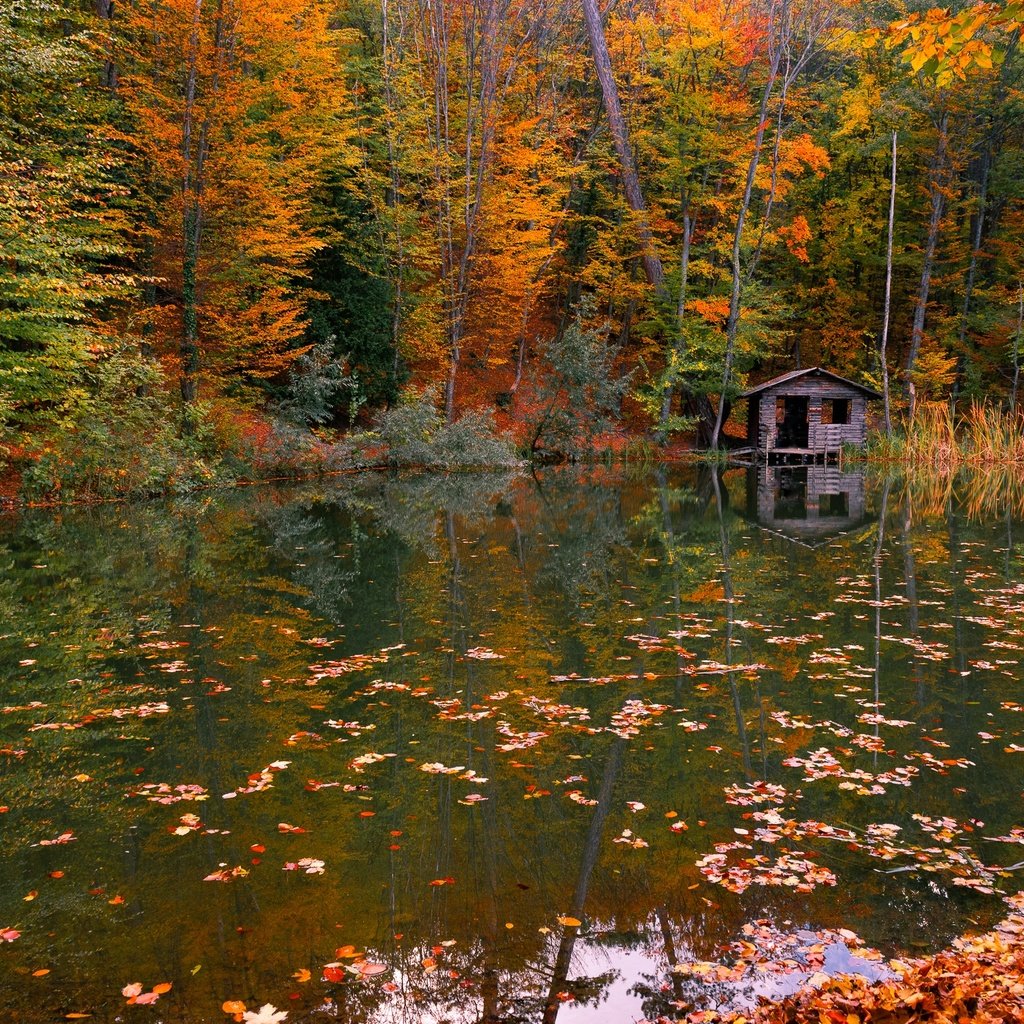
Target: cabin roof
(796,374)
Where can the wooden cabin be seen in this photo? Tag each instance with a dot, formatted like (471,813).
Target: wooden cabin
(808,504)
(807,413)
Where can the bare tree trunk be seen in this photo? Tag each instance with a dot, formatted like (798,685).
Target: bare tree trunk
(189,347)
(783,32)
(394,199)
(938,198)
(1016,349)
(732,325)
(480,122)
(680,345)
(108,75)
(972,268)
(620,136)
(883,353)
(193,186)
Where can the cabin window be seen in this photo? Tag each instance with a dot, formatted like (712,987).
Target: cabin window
(835,410)
(791,493)
(834,505)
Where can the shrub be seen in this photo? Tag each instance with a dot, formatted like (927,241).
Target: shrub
(580,396)
(318,385)
(117,439)
(414,434)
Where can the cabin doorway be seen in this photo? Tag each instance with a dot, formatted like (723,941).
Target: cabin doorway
(791,420)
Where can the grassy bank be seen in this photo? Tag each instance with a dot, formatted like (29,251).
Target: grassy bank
(97,457)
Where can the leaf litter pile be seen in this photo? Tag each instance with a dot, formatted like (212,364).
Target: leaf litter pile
(495,801)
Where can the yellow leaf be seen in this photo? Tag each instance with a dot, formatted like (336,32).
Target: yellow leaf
(301,975)
(570,922)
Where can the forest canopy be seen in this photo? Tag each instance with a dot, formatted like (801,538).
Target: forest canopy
(216,214)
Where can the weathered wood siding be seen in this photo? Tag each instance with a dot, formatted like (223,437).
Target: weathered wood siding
(818,483)
(820,436)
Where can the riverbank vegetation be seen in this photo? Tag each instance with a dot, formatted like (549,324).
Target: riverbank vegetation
(944,438)
(235,236)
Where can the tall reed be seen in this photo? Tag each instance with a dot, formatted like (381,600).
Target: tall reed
(981,434)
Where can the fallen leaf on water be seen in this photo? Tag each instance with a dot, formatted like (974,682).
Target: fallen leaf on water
(301,975)
(266,1014)
(570,922)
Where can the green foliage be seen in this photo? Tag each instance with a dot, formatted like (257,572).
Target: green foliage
(352,305)
(318,385)
(580,394)
(117,439)
(415,434)
(62,223)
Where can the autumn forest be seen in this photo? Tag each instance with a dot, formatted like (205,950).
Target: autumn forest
(239,229)
(699,699)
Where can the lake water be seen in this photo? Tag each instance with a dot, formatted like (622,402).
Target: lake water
(586,747)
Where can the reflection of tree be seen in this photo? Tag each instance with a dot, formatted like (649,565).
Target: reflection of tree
(876,563)
(408,506)
(587,520)
(591,846)
(910,588)
(555,578)
(730,626)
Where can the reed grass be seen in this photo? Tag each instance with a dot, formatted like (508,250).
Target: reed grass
(981,493)
(981,434)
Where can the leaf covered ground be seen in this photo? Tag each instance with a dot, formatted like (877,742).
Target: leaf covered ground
(978,979)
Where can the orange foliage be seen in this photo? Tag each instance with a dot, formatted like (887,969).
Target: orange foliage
(237,113)
(978,979)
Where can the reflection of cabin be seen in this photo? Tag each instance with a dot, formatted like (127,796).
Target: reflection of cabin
(810,504)
(806,414)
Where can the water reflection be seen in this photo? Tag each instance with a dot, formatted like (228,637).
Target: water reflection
(808,504)
(487,703)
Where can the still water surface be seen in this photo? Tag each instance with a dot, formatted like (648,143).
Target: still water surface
(403,734)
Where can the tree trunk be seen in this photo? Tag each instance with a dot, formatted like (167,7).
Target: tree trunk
(883,348)
(108,74)
(680,345)
(1016,350)
(653,270)
(732,325)
(189,347)
(394,197)
(480,121)
(938,199)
